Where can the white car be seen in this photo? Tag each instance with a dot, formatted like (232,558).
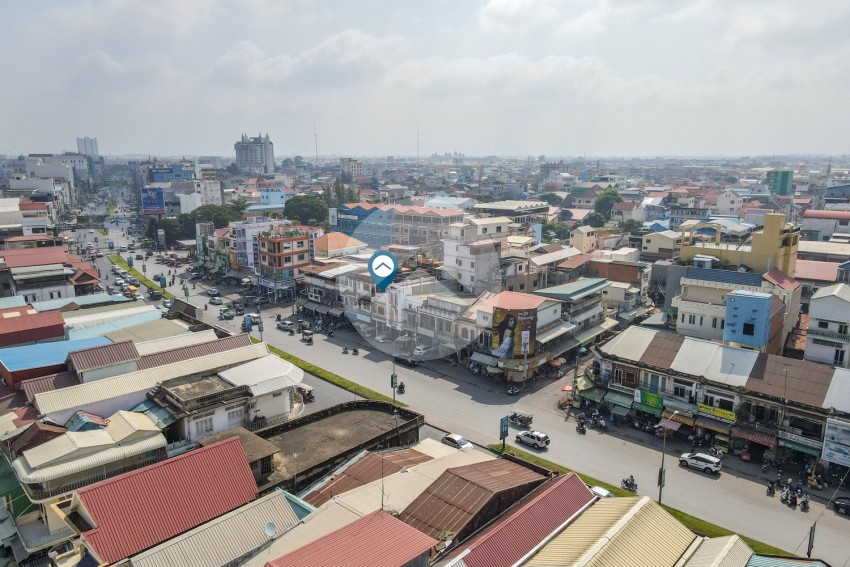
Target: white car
(535,439)
(381,339)
(119,281)
(456,441)
(700,461)
(419,350)
(167,303)
(139,297)
(215,301)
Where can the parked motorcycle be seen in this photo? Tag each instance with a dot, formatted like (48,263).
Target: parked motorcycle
(400,388)
(345,350)
(513,391)
(629,484)
(804,503)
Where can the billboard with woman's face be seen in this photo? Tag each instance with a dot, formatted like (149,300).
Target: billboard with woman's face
(514,333)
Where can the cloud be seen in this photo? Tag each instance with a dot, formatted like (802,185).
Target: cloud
(516,15)
(162,17)
(247,63)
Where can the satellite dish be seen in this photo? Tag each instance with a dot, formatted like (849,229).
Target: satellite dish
(270,529)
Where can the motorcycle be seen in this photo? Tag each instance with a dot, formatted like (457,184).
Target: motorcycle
(771,489)
(602,425)
(278,317)
(354,351)
(785,495)
(331,333)
(400,388)
(792,500)
(291,332)
(629,484)
(581,429)
(513,391)
(345,350)
(804,503)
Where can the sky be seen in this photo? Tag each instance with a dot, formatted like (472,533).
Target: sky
(487,77)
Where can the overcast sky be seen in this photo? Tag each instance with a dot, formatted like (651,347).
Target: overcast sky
(503,77)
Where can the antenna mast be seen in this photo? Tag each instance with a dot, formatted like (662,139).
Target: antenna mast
(316,139)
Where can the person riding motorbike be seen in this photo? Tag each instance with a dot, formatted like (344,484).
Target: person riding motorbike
(345,350)
(400,388)
(771,489)
(278,317)
(331,333)
(804,503)
(206,306)
(354,350)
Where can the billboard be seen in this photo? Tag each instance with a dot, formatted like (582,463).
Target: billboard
(332,216)
(514,333)
(153,201)
(836,442)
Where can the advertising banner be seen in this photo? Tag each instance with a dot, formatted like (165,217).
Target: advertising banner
(153,201)
(717,412)
(514,333)
(836,442)
(332,216)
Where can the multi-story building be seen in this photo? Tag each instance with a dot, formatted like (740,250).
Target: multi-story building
(284,251)
(472,252)
(754,321)
(775,246)
(821,225)
(662,245)
(323,291)
(87,146)
(828,338)
(584,239)
(682,213)
(202,193)
(627,210)
(245,241)
(350,168)
(255,154)
(729,203)
(517,211)
(780,182)
(381,225)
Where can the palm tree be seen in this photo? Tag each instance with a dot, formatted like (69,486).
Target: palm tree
(239,203)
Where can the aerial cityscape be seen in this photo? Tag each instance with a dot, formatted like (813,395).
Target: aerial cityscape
(501,283)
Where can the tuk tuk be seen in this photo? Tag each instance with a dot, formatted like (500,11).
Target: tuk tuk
(521,418)
(307,336)
(306,392)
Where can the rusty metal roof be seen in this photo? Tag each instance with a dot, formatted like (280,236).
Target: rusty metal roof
(368,468)
(454,499)
(798,380)
(375,539)
(525,525)
(255,447)
(142,508)
(103,356)
(48,384)
(662,350)
(181,354)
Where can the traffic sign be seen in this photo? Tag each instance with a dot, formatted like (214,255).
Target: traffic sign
(393,381)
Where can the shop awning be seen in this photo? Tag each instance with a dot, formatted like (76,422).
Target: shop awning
(620,411)
(311,305)
(686,419)
(800,447)
(761,437)
(584,383)
(652,410)
(595,394)
(231,273)
(335,312)
(670,424)
(323,309)
(713,424)
(619,399)
(494,370)
(301,302)
(485,359)
(554,332)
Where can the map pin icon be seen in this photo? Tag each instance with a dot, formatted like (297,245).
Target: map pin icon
(383,268)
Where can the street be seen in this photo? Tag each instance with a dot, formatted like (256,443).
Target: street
(454,400)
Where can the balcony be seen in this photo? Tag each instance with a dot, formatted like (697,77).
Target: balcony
(698,307)
(41,493)
(35,535)
(814,331)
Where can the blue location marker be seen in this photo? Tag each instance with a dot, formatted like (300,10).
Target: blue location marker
(383,267)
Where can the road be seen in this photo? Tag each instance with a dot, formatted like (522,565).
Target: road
(454,400)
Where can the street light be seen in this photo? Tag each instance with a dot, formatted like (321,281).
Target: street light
(393,376)
(663,451)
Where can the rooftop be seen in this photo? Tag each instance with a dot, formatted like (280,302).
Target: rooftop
(812,270)
(255,447)
(574,291)
(103,356)
(725,276)
(45,354)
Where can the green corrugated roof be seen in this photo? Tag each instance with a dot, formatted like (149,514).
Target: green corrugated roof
(574,290)
(300,507)
(766,561)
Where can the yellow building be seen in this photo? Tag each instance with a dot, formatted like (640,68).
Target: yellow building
(775,246)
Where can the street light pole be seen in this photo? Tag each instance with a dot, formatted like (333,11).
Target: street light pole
(661,475)
(393,376)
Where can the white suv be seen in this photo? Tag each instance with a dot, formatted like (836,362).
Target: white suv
(534,438)
(700,461)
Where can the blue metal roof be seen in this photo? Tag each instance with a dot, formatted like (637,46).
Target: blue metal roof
(157,414)
(300,507)
(765,561)
(45,354)
(93,299)
(115,325)
(13,301)
(725,276)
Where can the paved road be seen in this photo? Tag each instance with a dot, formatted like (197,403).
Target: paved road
(454,400)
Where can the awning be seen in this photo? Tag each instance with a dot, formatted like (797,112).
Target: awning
(231,273)
(310,305)
(301,302)
(584,383)
(494,370)
(647,409)
(305,387)
(595,394)
(761,437)
(335,312)
(670,424)
(619,399)
(554,332)
(713,424)
(686,419)
(800,447)
(484,359)
(619,410)
(323,309)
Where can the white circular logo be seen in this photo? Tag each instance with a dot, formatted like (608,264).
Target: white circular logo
(382,266)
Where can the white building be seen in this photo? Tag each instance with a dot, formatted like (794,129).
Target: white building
(245,236)
(729,203)
(87,146)
(821,225)
(472,253)
(255,154)
(828,339)
(203,193)
(350,168)
(465,204)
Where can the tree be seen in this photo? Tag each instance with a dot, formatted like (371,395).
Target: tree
(594,219)
(239,203)
(306,209)
(551,198)
(631,225)
(555,230)
(486,199)
(233,169)
(605,202)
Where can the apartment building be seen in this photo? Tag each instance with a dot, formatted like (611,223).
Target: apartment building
(828,339)
(283,252)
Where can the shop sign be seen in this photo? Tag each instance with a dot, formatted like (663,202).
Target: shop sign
(685,407)
(346,217)
(799,439)
(649,399)
(717,412)
(836,442)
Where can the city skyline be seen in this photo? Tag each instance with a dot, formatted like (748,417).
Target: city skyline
(504,77)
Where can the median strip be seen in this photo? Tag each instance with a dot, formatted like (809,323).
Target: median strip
(119,261)
(696,525)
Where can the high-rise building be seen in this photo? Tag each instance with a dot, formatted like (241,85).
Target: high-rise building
(255,154)
(780,182)
(87,146)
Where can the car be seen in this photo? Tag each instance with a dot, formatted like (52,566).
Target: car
(456,441)
(842,505)
(155,295)
(98,254)
(381,339)
(285,325)
(534,439)
(255,317)
(122,248)
(168,303)
(110,290)
(138,295)
(133,281)
(91,231)
(148,253)
(406,361)
(700,461)
(139,257)
(216,301)
(213,292)
(194,275)
(419,350)
(262,301)
(119,281)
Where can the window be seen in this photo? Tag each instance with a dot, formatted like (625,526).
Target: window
(700,320)
(204,426)
(498,229)
(521,286)
(714,322)
(681,389)
(472,264)
(300,257)
(723,323)
(749,329)
(823,324)
(708,400)
(458,262)
(692,319)
(236,416)
(842,328)
(683,317)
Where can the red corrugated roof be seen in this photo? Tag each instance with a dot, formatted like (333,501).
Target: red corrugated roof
(103,356)
(780,278)
(816,271)
(201,350)
(525,525)
(23,257)
(375,540)
(143,508)
(30,322)
(830,215)
(48,383)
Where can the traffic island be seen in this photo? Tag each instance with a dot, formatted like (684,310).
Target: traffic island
(119,261)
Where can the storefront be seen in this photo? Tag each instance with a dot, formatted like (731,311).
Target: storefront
(593,394)
(648,403)
(754,441)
